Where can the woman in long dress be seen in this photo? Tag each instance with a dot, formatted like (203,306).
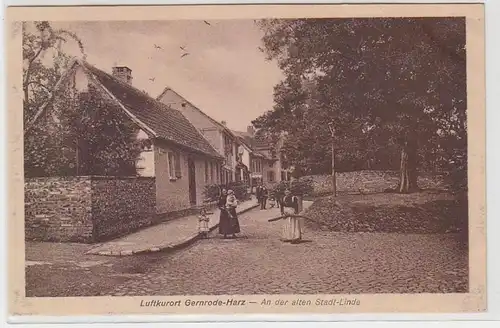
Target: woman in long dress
(291,231)
(231,205)
(226,222)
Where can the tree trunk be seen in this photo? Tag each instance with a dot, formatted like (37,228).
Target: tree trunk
(408,169)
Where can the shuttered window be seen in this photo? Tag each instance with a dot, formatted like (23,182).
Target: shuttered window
(178,171)
(207,176)
(211,172)
(171,165)
(174,165)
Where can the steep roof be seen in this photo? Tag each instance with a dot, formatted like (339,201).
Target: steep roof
(157,118)
(218,124)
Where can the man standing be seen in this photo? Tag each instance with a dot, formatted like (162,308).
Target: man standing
(263,195)
(258,194)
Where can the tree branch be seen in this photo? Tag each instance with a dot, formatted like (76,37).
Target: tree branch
(28,71)
(39,84)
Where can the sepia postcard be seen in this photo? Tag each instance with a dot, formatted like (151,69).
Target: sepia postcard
(246,159)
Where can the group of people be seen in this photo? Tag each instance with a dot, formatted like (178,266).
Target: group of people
(263,195)
(228,220)
(229,224)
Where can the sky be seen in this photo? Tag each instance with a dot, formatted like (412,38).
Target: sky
(225,74)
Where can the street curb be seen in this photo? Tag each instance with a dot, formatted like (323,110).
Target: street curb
(165,247)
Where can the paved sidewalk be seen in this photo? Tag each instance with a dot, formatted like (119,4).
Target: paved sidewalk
(169,235)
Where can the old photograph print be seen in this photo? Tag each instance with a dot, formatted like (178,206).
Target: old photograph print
(134,129)
(278,157)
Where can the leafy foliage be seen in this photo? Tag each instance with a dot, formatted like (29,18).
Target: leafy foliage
(212,192)
(387,85)
(82,134)
(44,62)
(298,187)
(79,133)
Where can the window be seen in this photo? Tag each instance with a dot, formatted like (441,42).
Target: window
(178,173)
(211,172)
(259,166)
(207,177)
(174,165)
(217,174)
(171,165)
(270,176)
(227,177)
(256,166)
(228,145)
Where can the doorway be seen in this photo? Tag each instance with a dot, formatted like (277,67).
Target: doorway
(192,181)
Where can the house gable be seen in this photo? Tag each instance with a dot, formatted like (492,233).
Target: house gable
(153,117)
(212,130)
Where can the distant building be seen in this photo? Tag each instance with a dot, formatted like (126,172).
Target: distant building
(265,159)
(217,133)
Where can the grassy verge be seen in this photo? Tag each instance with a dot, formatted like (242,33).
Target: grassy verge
(423,212)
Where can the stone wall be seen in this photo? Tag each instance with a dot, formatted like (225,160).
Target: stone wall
(122,205)
(371,182)
(87,209)
(58,209)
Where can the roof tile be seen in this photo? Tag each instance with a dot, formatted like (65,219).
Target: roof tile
(167,123)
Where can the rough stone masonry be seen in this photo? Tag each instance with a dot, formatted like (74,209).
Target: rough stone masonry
(87,209)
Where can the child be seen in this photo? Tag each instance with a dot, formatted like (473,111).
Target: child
(272,200)
(231,205)
(203,220)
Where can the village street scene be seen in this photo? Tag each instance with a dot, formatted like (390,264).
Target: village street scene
(301,156)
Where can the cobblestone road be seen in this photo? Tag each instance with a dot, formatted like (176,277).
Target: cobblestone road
(331,263)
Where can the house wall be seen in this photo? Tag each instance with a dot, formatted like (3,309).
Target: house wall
(270,166)
(145,164)
(245,156)
(212,131)
(214,137)
(172,195)
(208,128)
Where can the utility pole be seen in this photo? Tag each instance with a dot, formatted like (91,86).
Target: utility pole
(334,180)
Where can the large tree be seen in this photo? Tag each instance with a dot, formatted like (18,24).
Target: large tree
(388,82)
(44,62)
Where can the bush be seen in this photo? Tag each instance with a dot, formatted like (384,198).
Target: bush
(302,187)
(212,192)
(104,135)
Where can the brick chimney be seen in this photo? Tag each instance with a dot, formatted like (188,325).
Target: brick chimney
(250,130)
(123,73)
